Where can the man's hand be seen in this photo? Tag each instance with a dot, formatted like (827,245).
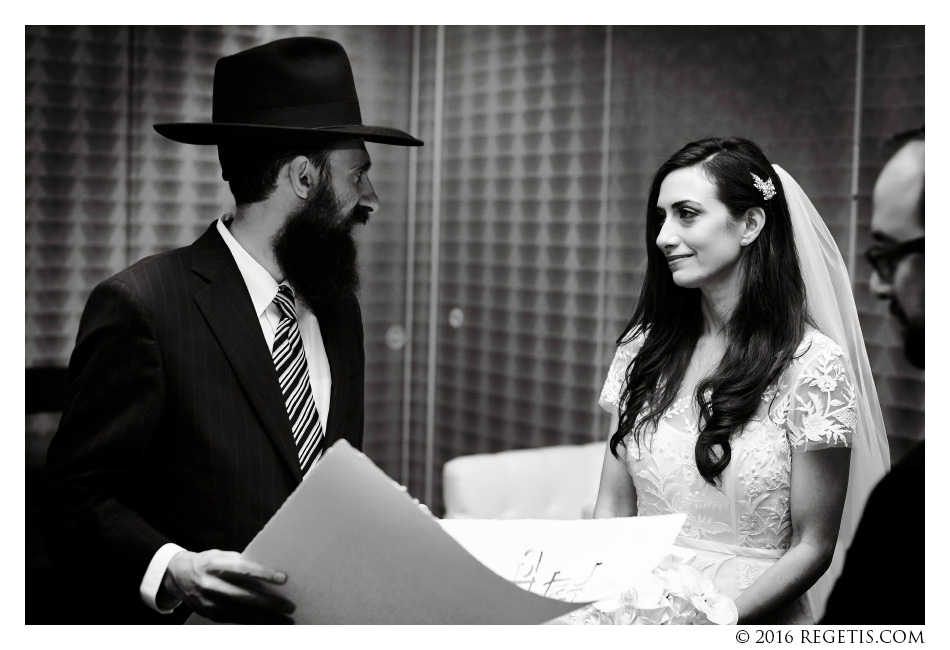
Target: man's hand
(225,587)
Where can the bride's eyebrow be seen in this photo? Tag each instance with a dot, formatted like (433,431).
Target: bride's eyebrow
(687,203)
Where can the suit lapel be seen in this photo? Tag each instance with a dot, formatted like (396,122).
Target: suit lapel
(227,308)
(332,333)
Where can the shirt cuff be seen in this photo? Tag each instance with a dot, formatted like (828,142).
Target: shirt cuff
(152,581)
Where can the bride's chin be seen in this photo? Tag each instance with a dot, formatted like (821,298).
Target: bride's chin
(684,282)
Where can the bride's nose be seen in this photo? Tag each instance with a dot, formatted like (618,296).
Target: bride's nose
(667,238)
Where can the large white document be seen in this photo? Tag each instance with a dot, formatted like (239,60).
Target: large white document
(358,550)
(578,560)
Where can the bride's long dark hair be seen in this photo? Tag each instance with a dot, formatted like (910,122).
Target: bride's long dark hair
(763,333)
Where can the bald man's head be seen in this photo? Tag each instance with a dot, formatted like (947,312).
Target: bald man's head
(899,194)
(897,224)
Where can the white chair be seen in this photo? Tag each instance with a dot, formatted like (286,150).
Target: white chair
(557,482)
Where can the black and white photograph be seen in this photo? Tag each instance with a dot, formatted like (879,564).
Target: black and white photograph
(477,325)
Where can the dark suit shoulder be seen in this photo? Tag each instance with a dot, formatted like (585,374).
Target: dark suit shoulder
(157,276)
(150,273)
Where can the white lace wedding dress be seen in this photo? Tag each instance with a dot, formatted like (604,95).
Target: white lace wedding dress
(741,528)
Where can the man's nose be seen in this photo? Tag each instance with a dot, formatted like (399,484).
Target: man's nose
(880,288)
(368,198)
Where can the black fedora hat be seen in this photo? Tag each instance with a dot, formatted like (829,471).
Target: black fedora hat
(291,92)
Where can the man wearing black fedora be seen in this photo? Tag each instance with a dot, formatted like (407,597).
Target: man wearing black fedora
(208,380)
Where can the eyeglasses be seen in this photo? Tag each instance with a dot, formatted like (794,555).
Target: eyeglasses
(883,258)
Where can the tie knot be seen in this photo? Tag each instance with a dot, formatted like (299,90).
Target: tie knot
(285,301)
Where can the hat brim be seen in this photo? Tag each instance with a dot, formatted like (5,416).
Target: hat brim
(226,133)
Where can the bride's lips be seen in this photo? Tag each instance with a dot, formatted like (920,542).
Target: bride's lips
(671,260)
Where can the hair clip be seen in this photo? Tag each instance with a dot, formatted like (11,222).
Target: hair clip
(766,187)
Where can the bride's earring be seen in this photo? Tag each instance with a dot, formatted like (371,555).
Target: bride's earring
(744,241)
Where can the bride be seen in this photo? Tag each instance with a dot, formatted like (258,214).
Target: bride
(740,392)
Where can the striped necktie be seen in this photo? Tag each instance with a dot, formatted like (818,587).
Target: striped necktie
(291,364)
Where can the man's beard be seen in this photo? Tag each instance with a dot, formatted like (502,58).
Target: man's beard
(316,251)
(913,331)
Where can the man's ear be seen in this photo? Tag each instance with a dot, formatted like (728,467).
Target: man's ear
(752,223)
(299,171)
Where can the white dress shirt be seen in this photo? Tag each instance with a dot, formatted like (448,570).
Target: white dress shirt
(263,288)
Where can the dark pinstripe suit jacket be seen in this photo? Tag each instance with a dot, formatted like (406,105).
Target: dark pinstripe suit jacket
(175,428)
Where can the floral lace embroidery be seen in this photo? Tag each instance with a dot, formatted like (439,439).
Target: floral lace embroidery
(701,526)
(658,491)
(681,408)
(764,511)
(747,573)
(827,416)
(617,374)
(812,406)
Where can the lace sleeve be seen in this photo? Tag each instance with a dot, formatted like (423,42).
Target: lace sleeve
(818,411)
(617,375)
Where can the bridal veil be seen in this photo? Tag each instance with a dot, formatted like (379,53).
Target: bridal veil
(832,308)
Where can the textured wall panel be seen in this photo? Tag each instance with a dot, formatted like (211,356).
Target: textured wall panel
(76,177)
(519,251)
